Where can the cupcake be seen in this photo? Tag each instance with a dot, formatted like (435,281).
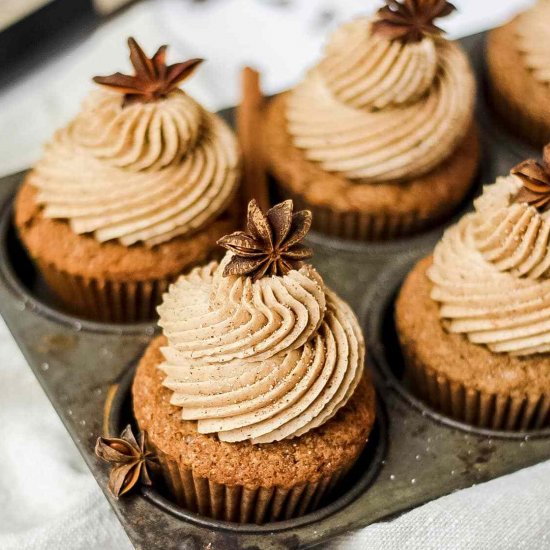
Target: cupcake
(518,64)
(473,320)
(378,140)
(255,399)
(130,193)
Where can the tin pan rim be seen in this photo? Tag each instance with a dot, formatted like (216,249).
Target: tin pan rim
(374,308)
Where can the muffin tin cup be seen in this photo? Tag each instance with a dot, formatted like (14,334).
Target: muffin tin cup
(189,496)
(447,401)
(486,410)
(103,299)
(242,504)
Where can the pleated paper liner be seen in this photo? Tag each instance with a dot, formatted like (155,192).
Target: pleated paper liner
(497,411)
(104,299)
(532,130)
(360,226)
(241,504)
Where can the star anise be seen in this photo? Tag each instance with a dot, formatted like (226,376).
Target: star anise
(129,458)
(411,20)
(271,244)
(153,79)
(535,178)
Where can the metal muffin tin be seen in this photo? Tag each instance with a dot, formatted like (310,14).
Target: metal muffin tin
(414,455)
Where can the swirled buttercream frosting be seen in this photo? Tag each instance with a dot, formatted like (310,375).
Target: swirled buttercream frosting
(145,172)
(377,110)
(533,40)
(491,273)
(259,361)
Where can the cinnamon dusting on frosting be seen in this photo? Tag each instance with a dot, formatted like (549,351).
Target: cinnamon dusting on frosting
(491,273)
(259,359)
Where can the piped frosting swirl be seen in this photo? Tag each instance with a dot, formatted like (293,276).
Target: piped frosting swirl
(146,172)
(533,40)
(380,110)
(260,361)
(491,273)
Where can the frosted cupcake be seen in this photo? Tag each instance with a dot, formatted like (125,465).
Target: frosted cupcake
(473,321)
(378,139)
(518,55)
(255,398)
(130,193)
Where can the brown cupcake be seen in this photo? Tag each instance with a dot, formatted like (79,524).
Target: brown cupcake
(133,191)
(374,153)
(255,399)
(472,319)
(518,75)
(464,380)
(109,281)
(243,482)
(365,211)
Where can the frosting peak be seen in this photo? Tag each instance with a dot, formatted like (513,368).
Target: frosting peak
(376,109)
(262,360)
(491,273)
(366,71)
(142,136)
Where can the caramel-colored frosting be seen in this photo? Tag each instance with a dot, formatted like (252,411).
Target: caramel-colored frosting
(146,172)
(380,110)
(260,361)
(533,39)
(491,273)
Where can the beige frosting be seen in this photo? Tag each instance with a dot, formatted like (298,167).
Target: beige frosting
(378,110)
(146,172)
(258,361)
(533,39)
(491,273)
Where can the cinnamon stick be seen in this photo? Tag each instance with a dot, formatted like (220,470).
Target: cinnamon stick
(249,122)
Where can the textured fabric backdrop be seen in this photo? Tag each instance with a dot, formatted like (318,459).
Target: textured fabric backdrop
(48,499)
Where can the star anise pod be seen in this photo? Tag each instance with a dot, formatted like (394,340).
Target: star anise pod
(271,244)
(410,20)
(535,178)
(129,459)
(153,79)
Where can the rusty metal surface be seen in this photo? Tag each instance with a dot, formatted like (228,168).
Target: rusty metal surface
(83,368)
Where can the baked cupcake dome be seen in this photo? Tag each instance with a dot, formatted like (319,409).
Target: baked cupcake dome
(255,398)
(519,73)
(128,195)
(378,139)
(473,319)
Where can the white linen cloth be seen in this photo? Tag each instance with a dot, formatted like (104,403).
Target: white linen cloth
(48,498)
